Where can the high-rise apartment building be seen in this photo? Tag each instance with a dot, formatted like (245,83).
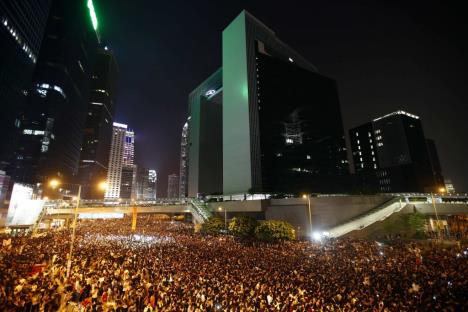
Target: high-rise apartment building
(391,154)
(22,25)
(55,111)
(173,186)
(146,184)
(129,148)
(282,130)
(129,169)
(98,127)
(183,162)
(114,172)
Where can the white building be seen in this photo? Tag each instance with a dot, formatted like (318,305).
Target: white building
(116,157)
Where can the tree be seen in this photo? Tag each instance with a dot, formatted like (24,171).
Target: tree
(417,221)
(274,230)
(243,226)
(212,226)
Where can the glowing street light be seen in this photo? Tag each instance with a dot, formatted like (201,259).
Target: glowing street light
(225,217)
(54,183)
(307,196)
(102,186)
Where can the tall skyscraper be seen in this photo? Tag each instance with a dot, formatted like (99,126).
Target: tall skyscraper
(114,172)
(4,186)
(183,161)
(129,148)
(173,186)
(54,116)
(391,154)
(282,130)
(205,143)
(98,128)
(22,25)
(435,163)
(128,182)
(146,184)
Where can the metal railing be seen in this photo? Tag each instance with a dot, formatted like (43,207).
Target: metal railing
(200,210)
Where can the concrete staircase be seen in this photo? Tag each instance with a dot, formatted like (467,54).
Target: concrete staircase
(199,210)
(376,214)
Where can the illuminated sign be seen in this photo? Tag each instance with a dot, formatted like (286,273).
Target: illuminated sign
(210,92)
(119,125)
(23,210)
(92,13)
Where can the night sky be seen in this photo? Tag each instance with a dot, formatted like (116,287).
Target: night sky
(385,57)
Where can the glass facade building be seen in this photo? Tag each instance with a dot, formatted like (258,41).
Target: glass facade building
(22,25)
(279,120)
(391,154)
(205,140)
(55,111)
(98,127)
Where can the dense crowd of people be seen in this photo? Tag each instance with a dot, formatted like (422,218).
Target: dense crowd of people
(165,266)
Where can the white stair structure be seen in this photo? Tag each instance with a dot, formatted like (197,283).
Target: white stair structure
(376,214)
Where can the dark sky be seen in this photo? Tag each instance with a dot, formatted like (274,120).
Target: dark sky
(392,55)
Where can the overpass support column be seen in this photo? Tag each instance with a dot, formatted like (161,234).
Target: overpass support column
(134,218)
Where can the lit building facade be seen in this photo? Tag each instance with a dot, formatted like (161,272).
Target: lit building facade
(22,25)
(53,120)
(98,128)
(173,186)
(183,191)
(114,172)
(391,154)
(449,188)
(129,148)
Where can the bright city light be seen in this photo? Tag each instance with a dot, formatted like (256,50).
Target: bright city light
(102,186)
(54,183)
(317,236)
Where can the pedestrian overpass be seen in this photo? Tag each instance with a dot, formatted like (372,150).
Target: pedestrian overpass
(337,215)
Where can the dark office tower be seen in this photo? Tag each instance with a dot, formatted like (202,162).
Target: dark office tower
(183,162)
(282,126)
(22,25)
(128,182)
(98,128)
(435,164)
(53,120)
(146,184)
(173,186)
(205,174)
(391,154)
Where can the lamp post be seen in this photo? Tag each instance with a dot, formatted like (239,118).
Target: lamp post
(307,196)
(225,217)
(441,190)
(55,183)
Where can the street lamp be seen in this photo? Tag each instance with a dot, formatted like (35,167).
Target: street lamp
(54,183)
(307,196)
(225,217)
(102,186)
(441,191)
